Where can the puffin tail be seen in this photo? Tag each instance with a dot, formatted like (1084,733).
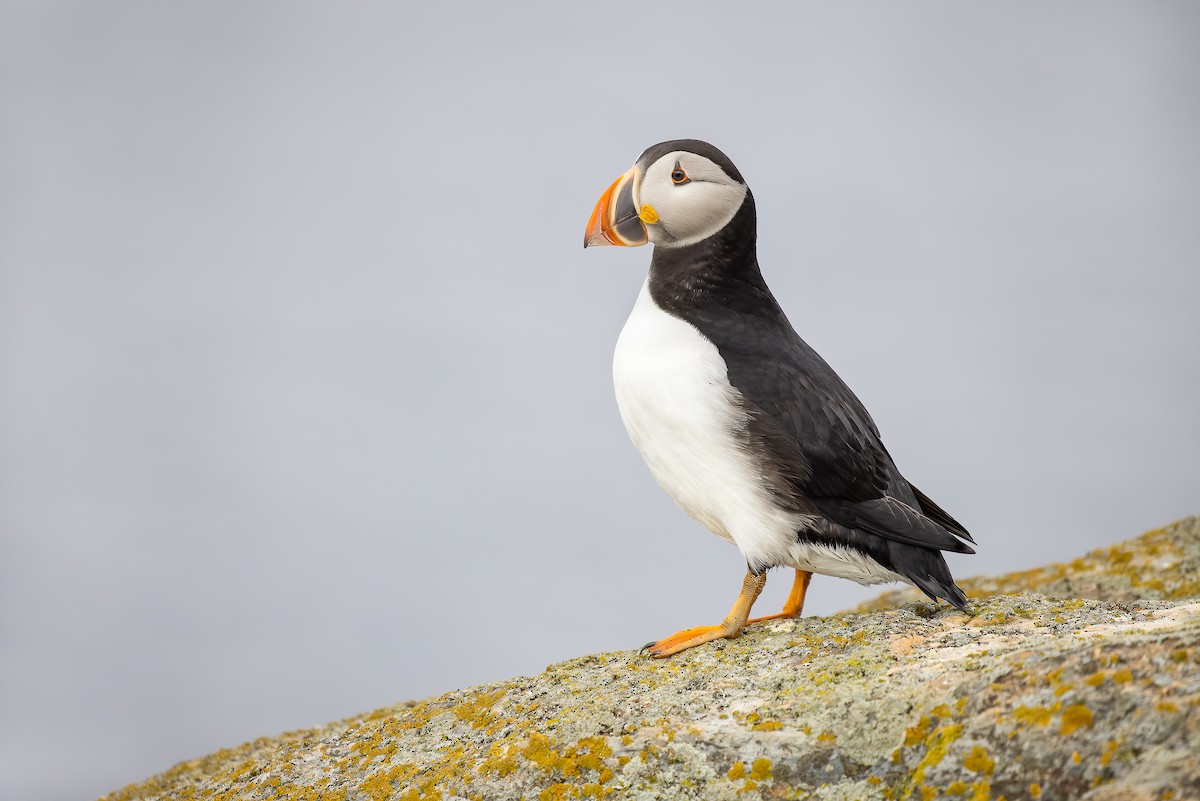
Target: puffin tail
(937,589)
(927,569)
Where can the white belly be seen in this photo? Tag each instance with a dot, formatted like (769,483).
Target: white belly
(682,414)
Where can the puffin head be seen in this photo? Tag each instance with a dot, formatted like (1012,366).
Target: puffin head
(676,194)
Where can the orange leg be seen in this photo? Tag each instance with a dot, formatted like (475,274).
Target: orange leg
(794,604)
(731,626)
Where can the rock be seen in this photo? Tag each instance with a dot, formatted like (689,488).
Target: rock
(1034,696)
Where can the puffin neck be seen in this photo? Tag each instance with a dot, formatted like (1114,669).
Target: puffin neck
(684,278)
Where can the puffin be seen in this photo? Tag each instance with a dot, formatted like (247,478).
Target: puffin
(741,423)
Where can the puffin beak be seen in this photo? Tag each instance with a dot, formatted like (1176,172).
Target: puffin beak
(615,219)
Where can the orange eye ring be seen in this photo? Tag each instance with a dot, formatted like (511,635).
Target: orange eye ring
(678,176)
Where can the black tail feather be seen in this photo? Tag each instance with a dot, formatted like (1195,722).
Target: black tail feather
(936,589)
(927,569)
(893,520)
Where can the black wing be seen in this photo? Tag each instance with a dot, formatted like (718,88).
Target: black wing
(819,437)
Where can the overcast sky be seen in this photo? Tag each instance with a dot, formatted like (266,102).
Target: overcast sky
(305,390)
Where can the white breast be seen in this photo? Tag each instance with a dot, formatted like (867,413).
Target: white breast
(682,414)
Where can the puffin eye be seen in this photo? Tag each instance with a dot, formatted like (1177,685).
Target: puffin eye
(678,176)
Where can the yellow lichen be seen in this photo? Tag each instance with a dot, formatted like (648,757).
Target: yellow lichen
(1033,715)
(760,770)
(979,761)
(937,744)
(563,792)
(737,771)
(590,752)
(1122,676)
(377,787)
(1035,790)
(915,734)
(1074,718)
(540,752)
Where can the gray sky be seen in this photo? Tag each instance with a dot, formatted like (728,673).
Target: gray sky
(305,394)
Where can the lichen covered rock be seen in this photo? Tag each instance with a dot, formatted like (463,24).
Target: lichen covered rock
(1031,697)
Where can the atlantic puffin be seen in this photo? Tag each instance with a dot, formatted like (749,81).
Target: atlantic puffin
(739,420)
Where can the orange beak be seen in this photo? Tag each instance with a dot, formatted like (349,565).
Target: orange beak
(615,219)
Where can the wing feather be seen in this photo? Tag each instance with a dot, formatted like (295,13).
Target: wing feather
(824,445)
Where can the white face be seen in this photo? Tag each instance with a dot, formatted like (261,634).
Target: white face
(693,197)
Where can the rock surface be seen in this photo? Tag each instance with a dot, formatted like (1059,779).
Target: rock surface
(1089,690)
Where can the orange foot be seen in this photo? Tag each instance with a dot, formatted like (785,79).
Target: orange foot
(731,626)
(736,620)
(688,638)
